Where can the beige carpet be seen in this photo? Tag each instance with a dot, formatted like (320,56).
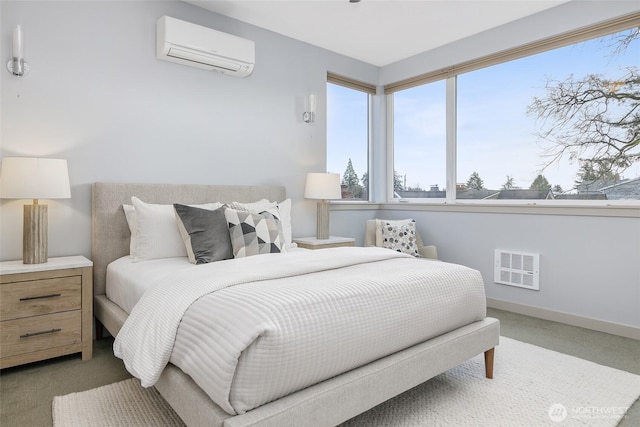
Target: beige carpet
(532,386)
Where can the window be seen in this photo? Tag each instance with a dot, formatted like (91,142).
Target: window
(535,123)
(516,138)
(348,135)
(419,142)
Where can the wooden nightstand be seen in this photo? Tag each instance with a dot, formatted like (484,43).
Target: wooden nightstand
(331,242)
(45,310)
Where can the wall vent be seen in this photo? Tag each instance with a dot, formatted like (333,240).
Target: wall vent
(517,269)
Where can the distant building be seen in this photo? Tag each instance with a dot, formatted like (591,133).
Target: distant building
(521,194)
(433,193)
(625,189)
(628,189)
(470,193)
(590,196)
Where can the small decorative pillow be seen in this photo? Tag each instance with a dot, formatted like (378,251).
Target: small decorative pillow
(254,234)
(400,237)
(205,233)
(394,222)
(281,210)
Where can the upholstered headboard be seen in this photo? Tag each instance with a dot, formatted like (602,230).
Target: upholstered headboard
(110,234)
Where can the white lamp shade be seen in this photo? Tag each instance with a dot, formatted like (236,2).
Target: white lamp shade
(34,178)
(323,186)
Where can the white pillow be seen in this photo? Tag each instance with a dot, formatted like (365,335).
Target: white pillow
(158,235)
(282,210)
(130,214)
(253,207)
(285,219)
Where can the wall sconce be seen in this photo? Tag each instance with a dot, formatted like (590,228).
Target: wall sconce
(17,65)
(309,115)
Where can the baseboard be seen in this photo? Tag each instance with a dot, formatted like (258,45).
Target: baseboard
(569,319)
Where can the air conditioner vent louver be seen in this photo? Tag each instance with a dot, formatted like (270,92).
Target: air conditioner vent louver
(202,59)
(517,269)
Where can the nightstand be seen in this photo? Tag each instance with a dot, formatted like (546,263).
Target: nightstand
(45,310)
(331,242)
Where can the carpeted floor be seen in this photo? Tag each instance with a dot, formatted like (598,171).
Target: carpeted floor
(26,392)
(531,383)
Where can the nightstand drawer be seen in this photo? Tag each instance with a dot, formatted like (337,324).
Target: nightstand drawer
(40,333)
(36,297)
(45,310)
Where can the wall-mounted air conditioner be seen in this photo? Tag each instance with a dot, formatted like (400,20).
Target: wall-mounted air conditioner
(201,47)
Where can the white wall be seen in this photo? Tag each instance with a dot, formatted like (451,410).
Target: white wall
(97,96)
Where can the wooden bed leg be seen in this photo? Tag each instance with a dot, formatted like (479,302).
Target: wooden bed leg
(488,362)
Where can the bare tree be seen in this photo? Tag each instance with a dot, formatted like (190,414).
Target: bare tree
(594,120)
(509,184)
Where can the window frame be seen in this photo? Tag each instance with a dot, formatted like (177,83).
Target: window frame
(450,74)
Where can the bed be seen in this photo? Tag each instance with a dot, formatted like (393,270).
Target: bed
(328,402)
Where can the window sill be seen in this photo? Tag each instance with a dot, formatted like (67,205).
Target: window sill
(624,211)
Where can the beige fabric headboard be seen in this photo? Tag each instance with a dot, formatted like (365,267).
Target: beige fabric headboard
(110,232)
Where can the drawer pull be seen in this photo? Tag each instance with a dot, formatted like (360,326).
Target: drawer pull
(40,333)
(40,297)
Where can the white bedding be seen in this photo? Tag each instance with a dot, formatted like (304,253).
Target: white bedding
(252,330)
(127,280)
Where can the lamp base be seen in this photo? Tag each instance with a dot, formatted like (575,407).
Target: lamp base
(322,225)
(35,234)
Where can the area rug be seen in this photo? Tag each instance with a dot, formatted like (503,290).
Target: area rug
(531,386)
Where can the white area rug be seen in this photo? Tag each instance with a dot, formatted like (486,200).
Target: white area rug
(125,403)
(532,386)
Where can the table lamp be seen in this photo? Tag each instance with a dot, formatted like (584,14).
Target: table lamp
(323,186)
(34,178)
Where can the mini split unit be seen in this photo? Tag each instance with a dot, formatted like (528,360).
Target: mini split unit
(201,47)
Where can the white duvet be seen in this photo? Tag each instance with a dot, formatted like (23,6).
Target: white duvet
(254,329)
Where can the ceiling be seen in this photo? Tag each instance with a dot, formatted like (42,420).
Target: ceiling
(378,32)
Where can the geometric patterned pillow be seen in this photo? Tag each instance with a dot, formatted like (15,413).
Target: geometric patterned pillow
(254,234)
(400,237)
(281,210)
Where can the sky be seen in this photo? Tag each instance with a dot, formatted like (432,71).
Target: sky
(347,129)
(496,138)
